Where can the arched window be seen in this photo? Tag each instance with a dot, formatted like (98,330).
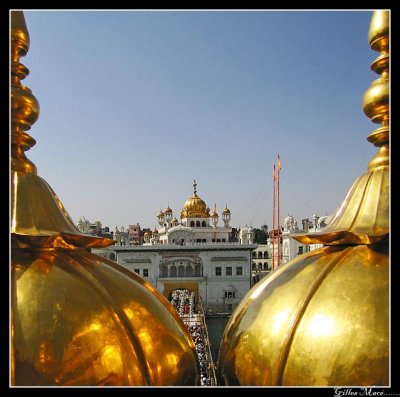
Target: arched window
(253,265)
(260,255)
(203,224)
(112,256)
(254,254)
(164,271)
(172,271)
(229,293)
(286,248)
(189,271)
(197,271)
(265,266)
(191,223)
(197,223)
(181,271)
(266,255)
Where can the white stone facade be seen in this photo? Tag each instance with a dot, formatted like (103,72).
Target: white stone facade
(290,247)
(219,273)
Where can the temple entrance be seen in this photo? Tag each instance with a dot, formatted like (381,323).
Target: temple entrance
(170,286)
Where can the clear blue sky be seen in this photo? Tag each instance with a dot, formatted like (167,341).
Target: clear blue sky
(137,104)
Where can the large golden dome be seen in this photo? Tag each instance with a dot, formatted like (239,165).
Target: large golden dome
(81,320)
(319,320)
(195,207)
(78,319)
(323,318)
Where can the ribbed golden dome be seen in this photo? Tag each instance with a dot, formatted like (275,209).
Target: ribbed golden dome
(323,318)
(195,207)
(78,319)
(81,320)
(160,214)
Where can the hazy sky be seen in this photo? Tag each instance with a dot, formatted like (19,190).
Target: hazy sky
(137,104)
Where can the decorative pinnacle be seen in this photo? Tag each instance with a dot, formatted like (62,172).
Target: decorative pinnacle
(215,215)
(363,216)
(194,186)
(215,211)
(24,106)
(376,98)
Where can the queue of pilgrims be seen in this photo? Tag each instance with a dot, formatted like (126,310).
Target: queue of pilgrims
(185,304)
(183,301)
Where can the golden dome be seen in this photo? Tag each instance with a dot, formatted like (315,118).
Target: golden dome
(226,211)
(195,207)
(78,319)
(167,210)
(146,234)
(323,318)
(160,214)
(155,231)
(310,323)
(174,220)
(82,320)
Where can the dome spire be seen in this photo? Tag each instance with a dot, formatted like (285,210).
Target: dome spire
(194,187)
(363,217)
(24,105)
(376,98)
(39,215)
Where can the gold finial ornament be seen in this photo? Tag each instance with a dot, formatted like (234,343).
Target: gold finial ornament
(77,319)
(376,99)
(25,107)
(322,319)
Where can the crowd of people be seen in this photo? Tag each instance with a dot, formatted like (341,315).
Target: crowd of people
(198,335)
(183,301)
(185,304)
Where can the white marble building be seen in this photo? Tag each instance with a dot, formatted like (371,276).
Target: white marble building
(290,248)
(194,253)
(219,273)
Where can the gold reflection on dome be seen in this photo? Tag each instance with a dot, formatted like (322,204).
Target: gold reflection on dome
(77,319)
(321,325)
(322,319)
(98,324)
